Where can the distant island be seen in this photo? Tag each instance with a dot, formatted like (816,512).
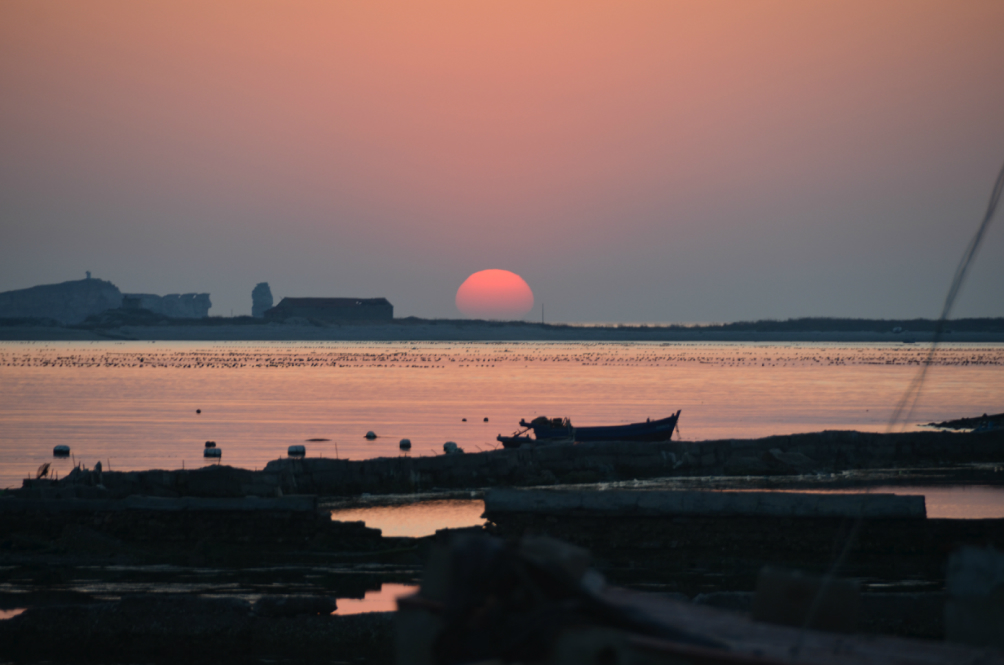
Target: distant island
(139,324)
(94,309)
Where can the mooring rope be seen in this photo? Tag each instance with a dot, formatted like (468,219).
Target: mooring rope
(904,408)
(909,400)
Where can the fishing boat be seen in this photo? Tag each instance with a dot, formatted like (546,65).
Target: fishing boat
(561,428)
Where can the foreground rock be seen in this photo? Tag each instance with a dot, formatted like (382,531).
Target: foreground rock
(537,599)
(691,542)
(77,565)
(191,629)
(189,531)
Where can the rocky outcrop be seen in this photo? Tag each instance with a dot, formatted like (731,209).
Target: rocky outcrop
(261,299)
(981,423)
(68,302)
(184,306)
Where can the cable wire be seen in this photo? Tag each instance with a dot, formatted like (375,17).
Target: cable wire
(906,404)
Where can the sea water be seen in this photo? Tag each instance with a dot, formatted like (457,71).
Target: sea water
(153,405)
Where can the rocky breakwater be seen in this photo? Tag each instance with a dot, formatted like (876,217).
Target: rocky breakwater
(824,452)
(210,482)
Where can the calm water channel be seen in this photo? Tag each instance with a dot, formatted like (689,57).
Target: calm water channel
(133,405)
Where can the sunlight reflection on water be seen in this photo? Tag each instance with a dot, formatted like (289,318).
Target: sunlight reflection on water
(132,405)
(384,600)
(416,520)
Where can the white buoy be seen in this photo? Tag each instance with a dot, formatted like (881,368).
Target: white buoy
(371,435)
(405,444)
(296,451)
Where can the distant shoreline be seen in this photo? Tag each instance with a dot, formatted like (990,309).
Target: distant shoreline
(432,330)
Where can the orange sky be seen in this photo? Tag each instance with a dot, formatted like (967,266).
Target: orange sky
(645,161)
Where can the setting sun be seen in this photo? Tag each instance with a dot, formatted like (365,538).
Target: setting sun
(494,294)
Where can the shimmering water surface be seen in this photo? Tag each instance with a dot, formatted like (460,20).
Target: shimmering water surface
(415,520)
(382,600)
(133,405)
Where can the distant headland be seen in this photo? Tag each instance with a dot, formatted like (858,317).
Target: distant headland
(94,309)
(71,303)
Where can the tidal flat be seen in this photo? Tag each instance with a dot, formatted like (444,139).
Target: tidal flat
(153,405)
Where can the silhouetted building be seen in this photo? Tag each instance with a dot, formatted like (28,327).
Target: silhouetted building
(332,309)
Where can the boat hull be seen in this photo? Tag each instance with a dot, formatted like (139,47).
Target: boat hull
(655,430)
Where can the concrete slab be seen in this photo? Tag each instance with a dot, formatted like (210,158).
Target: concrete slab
(643,502)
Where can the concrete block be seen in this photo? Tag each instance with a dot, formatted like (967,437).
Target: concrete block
(197,504)
(643,462)
(773,504)
(740,503)
(608,501)
(778,503)
(658,503)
